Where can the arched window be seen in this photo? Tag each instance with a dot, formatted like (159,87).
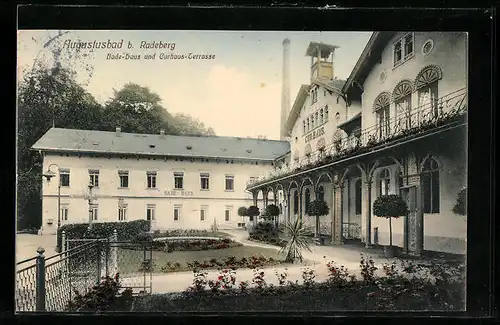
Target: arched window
(402,101)
(357,196)
(308,124)
(381,107)
(316,119)
(430,186)
(384,182)
(307,199)
(326,113)
(426,85)
(321,193)
(321,116)
(295,202)
(304,123)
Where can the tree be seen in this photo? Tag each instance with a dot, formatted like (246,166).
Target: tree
(460,207)
(188,125)
(272,211)
(242,211)
(252,212)
(318,208)
(298,240)
(136,109)
(46,97)
(390,206)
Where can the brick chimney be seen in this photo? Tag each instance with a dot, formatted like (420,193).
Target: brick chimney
(118,131)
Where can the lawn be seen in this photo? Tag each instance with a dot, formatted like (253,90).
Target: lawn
(129,260)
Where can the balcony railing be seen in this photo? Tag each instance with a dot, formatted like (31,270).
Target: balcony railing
(418,120)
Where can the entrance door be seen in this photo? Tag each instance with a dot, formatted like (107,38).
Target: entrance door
(412,224)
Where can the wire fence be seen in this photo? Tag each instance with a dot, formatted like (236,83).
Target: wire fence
(50,283)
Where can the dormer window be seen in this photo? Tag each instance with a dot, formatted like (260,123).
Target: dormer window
(152,146)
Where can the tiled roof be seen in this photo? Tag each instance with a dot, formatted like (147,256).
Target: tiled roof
(84,141)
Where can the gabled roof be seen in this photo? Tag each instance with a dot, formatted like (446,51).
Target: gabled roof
(371,53)
(85,141)
(334,85)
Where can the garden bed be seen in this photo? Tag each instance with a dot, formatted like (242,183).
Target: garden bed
(230,262)
(129,260)
(170,244)
(189,233)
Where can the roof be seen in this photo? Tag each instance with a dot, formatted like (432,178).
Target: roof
(85,141)
(334,85)
(371,53)
(325,49)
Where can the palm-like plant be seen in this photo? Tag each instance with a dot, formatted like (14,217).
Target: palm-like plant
(298,240)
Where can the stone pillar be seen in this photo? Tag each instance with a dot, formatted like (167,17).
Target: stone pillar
(300,192)
(338,211)
(254,197)
(366,212)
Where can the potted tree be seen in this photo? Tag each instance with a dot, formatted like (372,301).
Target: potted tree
(390,206)
(252,212)
(242,211)
(318,208)
(272,211)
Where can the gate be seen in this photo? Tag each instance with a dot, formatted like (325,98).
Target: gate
(48,283)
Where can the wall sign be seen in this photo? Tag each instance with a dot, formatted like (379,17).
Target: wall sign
(179,193)
(314,134)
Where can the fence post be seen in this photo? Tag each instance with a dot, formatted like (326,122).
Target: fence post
(63,242)
(114,251)
(40,279)
(99,249)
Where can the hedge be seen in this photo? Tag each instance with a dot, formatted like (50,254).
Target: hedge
(126,230)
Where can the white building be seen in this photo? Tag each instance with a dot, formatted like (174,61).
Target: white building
(176,181)
(396,126)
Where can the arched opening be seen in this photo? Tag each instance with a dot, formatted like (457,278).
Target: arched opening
(295,202)
(320,193)
(402,100)
(307,198)
(384,182)
(430,186)
(426,84)
(381,107)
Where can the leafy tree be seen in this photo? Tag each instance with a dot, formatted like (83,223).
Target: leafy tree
(242,211)
(188,125)
(298,240)
(272,211)
(253,211)
(390,206)
(461,204)
(318,208)
(136,109)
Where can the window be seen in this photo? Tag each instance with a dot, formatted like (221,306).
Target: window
(321,193)
(357,196)
(229,183)
(308,125)
(205,181)
(383,122)
(93,212)
(428,100)
(326,113)
(384,182)
(64,213)
(430,180)
(64,177)
(403,49)
(94,177)
(151,177)
(122,213)
(227,214)
(203,213)
(177,212)
(304,126)
(307,200)
(321,116)
(316,119)
(402,100)
(150,212)
(295,202)
(123,174)
(178,180)
(408,41)
(314,95)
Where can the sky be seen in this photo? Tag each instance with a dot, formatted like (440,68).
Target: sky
(237,93)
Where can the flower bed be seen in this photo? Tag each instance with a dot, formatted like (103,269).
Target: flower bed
(230,262)
(408,287)
(194,245)
(187,233)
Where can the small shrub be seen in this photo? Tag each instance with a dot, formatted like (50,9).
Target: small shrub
(339,276)
(308,276)
(368,269)
(243,285)
(460,206)
(258,279)
(199,282)
(282,277)
(99,298)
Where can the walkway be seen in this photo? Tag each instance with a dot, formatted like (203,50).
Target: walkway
(316,260)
